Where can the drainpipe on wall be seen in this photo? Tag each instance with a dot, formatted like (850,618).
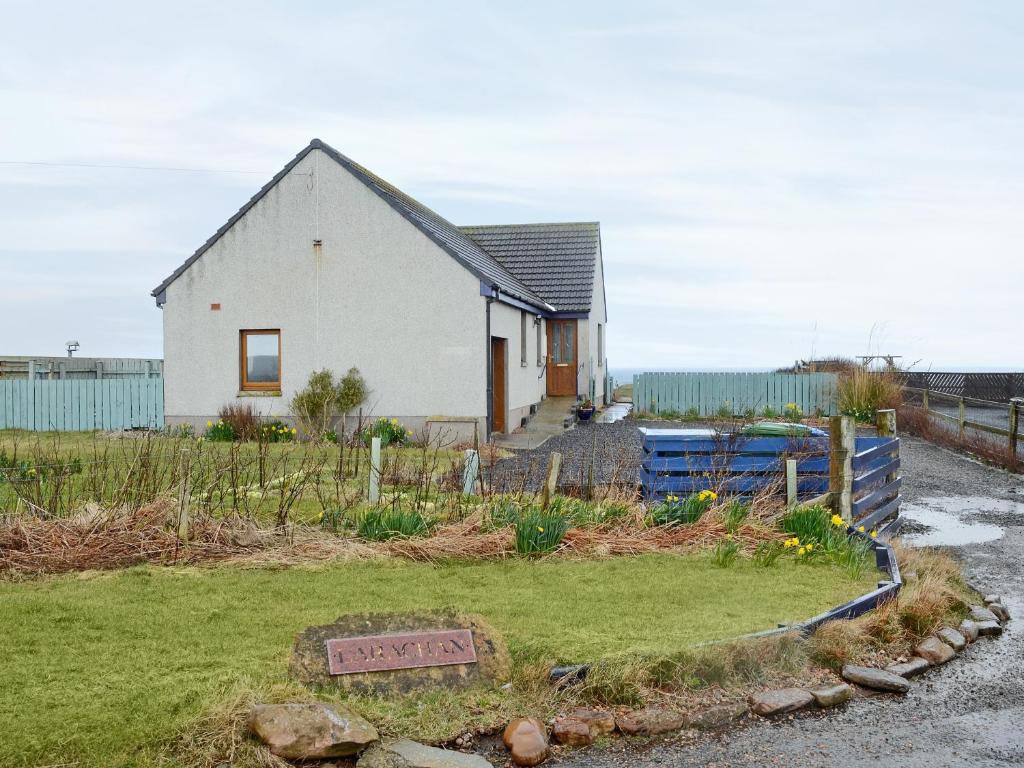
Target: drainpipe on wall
(490,363)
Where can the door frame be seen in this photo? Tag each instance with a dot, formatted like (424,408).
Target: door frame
(499,384)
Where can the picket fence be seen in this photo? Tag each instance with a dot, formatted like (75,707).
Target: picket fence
(741,393)
(71,405)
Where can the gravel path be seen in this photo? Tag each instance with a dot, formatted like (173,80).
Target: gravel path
(969,712)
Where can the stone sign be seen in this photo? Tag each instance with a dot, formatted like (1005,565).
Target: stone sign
(377,653)
(400,652)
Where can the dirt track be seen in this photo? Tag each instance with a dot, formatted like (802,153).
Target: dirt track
(969,712)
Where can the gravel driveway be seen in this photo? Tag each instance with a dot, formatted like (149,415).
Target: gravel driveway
(969,712)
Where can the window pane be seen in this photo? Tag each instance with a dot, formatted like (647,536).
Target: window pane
(261,358)
(568,342)
(556,342)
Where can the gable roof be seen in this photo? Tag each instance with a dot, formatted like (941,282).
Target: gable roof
(556,261)
(444,234)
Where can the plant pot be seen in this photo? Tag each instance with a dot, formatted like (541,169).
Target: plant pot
(584,414)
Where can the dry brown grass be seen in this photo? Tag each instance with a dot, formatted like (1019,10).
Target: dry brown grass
(935,594)
(916,420)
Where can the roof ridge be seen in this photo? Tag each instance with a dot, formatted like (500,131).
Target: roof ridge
(533,224)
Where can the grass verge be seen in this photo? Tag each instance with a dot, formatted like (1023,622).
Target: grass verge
(101,667)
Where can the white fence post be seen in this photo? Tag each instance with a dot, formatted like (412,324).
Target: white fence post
(470,472)
(791,489)
(374,470)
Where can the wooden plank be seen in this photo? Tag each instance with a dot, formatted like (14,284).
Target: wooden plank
(864,505)
(872,519)
(866,457)
(875,475)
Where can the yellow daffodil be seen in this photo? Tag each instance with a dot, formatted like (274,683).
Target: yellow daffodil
(809,547)
(209,424)
(320,516)
(860,529)
(787,543)
(394,421)
(293,430)
(874,534)
(801,551)
(540,529)
(837,521)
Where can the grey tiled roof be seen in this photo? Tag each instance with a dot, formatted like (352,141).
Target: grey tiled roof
(445,234)
(556,261)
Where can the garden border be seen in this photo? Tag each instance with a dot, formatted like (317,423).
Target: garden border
(885,560)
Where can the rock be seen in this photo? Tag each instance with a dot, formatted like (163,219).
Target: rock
(310,731)
(952,638)
(910,668)
(649,721)
(403,753)
(309,662)
(980,614)
(969,630)
(719,716)
(878,679)
(1000,611)
(601,723)
(991,599)
(832,695)
(527,740)
(572,732)
(934,650)
(771,703)
(989,628)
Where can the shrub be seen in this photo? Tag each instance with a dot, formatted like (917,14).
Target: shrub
(390,432)
(863,392)
(539,531)
(675,511)
(724,410)
(317,406)
(384,524)
(219,431)
(242,418)
(724,553)
(770,413)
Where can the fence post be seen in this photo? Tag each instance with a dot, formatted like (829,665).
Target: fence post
(99,369)
(791,489)
(470,471)
(1015,404)
(374,470)
(31,370)
(962,418)
(183,496)
(551,483)
(842,444)
(924,397)
(886,418)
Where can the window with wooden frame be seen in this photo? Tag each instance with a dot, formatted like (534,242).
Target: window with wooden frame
(260,360)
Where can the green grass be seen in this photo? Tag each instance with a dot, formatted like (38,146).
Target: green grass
(98,669)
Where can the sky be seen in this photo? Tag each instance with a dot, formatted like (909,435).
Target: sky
(774,180)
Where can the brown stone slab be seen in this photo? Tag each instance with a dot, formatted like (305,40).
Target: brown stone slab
(405,650)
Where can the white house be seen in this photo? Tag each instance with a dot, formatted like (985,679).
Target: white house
(329,266)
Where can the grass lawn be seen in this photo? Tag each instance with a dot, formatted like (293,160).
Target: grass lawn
(99,668)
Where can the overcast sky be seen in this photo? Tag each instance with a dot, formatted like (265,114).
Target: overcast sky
(773,180)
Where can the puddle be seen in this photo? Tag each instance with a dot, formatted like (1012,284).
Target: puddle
(614,412)
(942,516)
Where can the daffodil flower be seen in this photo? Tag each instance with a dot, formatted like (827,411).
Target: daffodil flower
(874,534)
(809,547)
(860,529)
(540,529)
(801,551)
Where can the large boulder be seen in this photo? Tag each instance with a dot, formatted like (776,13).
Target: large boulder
(403,753)
(527,739)
(934,650)
(601,723)
(649,721)
(771,703)
(310,731)
(310,663)
(877,679)
(572,732)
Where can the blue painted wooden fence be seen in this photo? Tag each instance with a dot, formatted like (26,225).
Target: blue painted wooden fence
(740,393)
(67,405)
(681,462)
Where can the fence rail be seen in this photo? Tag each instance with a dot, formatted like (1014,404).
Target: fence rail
(33,368)
(969,413)
(992,387)
(82,404)
(710,394)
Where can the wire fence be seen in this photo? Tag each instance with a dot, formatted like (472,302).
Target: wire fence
(990,427)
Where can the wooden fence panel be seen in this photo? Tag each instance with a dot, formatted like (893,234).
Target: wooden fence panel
(66,405)
(742,393)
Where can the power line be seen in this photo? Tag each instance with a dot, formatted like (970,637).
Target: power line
(124,167)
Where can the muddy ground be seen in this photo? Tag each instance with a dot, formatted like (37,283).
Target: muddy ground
(969,712)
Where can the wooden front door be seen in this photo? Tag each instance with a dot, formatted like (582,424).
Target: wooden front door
(498,384)
(562,355)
